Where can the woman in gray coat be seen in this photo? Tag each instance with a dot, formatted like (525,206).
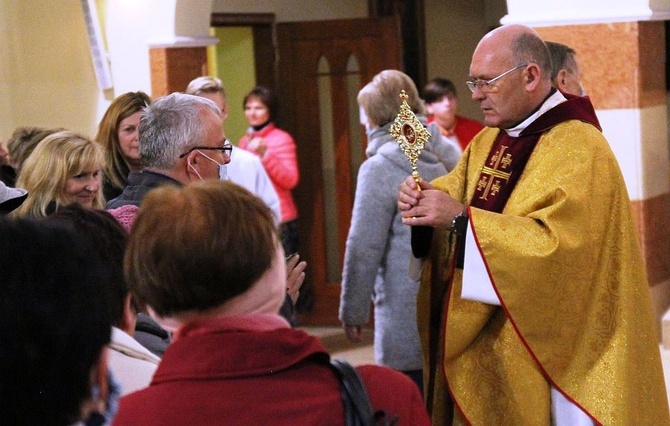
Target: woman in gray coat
(378,247)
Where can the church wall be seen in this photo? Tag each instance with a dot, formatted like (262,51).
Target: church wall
(47,78)
(46,74)
(453,29)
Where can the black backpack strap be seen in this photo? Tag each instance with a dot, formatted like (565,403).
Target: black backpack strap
(357,408)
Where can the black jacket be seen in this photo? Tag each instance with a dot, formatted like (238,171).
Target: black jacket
(139,184)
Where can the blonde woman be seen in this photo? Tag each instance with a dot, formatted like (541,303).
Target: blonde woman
(65,168)
(119,136)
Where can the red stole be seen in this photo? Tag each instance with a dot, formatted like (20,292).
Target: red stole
(509,155)
(506,161)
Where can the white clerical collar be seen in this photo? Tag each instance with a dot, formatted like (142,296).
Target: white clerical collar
(551,102)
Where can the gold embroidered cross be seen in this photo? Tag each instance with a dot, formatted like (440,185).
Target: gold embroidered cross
(491,177)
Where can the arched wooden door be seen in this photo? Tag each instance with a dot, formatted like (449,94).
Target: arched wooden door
(321,67)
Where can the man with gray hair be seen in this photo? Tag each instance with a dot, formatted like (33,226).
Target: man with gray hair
(247,169)
(181,140)
(566,75)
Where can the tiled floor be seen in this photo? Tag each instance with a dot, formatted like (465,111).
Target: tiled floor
(337,344)
(340,347)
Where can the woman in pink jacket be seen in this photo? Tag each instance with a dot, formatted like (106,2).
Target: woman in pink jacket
(277,151)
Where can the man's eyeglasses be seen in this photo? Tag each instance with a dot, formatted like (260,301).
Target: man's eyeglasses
(485,85)
(226,149)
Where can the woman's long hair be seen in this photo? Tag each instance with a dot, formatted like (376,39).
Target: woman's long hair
(117,166)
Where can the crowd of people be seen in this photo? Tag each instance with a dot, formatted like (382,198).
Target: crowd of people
(150,274)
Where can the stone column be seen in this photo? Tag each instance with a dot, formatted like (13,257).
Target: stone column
(620,46)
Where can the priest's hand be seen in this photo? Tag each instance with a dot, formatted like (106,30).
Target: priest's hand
(429,207)
(409,193)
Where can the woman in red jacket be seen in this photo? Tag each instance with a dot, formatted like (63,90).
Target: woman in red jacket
(277,151)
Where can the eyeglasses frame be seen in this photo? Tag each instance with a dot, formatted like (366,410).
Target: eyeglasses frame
(226,149)
(480,84)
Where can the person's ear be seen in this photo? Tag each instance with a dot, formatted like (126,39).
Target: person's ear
(129,317)
(531,75)
(191,164)
(429,108)
(562,80)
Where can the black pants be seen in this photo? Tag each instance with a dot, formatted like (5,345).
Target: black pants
(417,377)
(288,232)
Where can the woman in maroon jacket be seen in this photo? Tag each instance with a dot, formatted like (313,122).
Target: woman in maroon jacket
(207,261)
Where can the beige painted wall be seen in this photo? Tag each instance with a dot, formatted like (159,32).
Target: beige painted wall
(47,78)
(46,73)
(453,29)
(8,10)
(234,53)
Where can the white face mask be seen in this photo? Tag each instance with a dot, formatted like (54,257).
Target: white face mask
(223,169)
(364,121)
(368,129)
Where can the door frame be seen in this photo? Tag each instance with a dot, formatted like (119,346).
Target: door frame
(377,45)
(263,26)
(321,303)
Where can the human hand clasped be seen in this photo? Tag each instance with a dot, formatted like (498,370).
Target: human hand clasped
(427,206)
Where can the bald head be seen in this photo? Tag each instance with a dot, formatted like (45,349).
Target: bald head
(517,44)
(513,96)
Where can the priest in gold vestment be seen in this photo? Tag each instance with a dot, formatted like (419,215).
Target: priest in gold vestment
(534,306)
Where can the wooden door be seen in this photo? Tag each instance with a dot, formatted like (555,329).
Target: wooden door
(321,67)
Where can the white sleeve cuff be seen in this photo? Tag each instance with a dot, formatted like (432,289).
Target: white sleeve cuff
(477,283)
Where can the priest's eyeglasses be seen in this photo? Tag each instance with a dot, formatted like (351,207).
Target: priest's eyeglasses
(226,149)
(485,85)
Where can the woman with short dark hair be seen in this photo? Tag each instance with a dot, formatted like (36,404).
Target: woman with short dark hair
(277,151)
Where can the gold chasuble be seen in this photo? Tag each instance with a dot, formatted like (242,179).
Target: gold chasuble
(562,253)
